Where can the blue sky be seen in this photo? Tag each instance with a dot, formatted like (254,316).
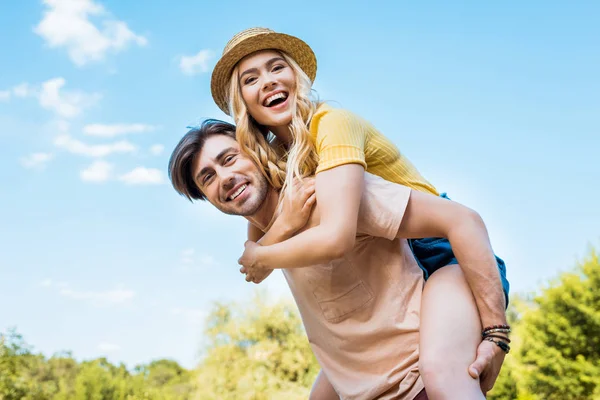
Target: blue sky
(496,104)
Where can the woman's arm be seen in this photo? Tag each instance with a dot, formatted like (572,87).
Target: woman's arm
(339,192)
(294,216)
(340,142)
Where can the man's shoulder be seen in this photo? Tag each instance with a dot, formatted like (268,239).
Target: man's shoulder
(382,207)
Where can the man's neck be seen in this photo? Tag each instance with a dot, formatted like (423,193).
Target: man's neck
(264,215)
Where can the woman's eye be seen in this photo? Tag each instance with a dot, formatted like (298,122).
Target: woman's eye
(249,80)
(278,67)
(229,158)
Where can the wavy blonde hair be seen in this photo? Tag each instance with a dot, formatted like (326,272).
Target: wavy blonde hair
(279,166)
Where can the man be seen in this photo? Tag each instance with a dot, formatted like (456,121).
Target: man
(361,312)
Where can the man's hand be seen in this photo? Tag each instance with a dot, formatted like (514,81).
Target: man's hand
(250,265)
(257,275)
(487,365)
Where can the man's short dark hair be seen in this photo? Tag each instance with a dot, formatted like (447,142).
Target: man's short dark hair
(189,147)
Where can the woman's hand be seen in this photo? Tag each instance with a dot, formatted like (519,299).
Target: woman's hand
(296,208)
(294,215)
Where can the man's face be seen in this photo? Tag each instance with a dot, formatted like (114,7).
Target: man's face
(229,180)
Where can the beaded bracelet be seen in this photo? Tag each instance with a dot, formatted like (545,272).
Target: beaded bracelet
(497,330)
(489,328)
(504,338)
(504,346)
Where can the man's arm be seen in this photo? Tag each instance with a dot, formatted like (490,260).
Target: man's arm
(427,215)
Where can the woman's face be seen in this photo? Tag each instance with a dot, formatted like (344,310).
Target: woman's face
(268,85)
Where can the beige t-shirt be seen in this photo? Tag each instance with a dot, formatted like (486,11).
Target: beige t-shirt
(361,313)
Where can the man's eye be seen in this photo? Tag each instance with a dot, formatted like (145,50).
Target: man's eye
(206,178)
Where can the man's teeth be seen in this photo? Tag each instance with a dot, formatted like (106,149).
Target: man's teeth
(276,96)
(237,192)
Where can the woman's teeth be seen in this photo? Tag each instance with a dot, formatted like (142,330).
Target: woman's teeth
(269,101)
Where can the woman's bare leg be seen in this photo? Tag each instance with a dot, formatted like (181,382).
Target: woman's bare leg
(322,389)
(449,336)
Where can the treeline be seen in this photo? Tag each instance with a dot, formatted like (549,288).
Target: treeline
(28,376)
(556,342)
(260,352)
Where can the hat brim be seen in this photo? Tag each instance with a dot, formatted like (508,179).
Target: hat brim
(294,47)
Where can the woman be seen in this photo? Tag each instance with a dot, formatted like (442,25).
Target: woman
(264,81)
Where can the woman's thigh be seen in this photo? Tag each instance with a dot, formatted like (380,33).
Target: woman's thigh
(449,336)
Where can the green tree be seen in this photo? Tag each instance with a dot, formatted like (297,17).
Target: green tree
(28,376)
(556,343)
(13,362)
(561,336)
(256,352)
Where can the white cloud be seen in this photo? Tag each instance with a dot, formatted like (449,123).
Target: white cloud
(66,142)
(143,176)
(98,298)
(108,131)
(193,316)
(51,96)
(206,260)
(66,104)
(36,160)
(46,283)
(196,64)
(23,90)
(108,347)
(66,24)
(99,171)
(157,149)
(108,297)
(50,283)
(187,256)
(191,262)
(61,125)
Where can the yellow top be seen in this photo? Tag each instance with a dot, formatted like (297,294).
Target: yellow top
(342,137)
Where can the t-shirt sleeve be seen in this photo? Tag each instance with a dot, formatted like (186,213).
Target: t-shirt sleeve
(382,207)
(340,139)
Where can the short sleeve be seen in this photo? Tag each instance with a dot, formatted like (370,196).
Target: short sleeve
(340,138)
(382,207)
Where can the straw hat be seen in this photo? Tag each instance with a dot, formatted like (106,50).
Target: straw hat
(249,41)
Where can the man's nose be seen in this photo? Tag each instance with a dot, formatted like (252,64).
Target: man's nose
(228,181)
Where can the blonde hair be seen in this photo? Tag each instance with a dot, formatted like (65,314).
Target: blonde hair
(278,166)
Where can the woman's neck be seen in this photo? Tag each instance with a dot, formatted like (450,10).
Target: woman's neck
(283,133)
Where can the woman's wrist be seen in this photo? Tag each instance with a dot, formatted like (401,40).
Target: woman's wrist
(260,257)
(284,227)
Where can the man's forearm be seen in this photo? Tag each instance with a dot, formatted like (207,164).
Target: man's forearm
(472,248)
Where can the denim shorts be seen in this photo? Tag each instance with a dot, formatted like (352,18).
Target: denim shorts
(434,253)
